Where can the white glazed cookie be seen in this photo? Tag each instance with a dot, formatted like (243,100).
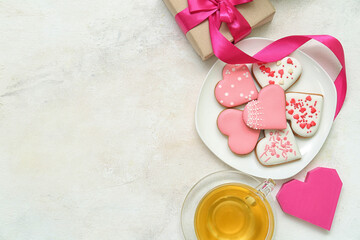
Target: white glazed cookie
(284,72)
(277,147)
(304,110)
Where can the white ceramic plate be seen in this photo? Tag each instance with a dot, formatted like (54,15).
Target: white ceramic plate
(313,80)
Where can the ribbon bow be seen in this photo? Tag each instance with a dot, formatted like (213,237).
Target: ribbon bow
(216,11)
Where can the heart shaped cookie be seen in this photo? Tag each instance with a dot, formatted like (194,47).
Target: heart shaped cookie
(284,72)
(237,86)
(277,147)
(242,139)
(304,111)
(268,111)
(315,199)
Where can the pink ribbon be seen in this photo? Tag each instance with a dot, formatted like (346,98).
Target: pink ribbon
(218,11)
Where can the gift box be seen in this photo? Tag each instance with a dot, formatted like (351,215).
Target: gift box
(257,13)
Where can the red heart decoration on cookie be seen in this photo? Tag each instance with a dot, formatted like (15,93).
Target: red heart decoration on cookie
(284,72)
(304,111)
(237,86)
(315,199)
(268,111)
(242,139)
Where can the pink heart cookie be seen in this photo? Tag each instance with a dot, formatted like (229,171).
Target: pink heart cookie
(304,110)
(237,86)
(277,147)
(242,139)
(283,73)
(315,199)
(268,111)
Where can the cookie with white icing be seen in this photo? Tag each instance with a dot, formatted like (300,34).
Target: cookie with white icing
(237,86)
(304,111)
(284,72)
(277,147)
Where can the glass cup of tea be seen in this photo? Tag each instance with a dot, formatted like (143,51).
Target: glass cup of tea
(228,205)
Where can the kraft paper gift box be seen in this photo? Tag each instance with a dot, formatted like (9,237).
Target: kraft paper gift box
(257,13)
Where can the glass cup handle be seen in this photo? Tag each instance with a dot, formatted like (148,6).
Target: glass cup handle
(266,186)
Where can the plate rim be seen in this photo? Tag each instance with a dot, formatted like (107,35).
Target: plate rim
(252,174)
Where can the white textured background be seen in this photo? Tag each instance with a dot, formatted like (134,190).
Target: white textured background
(97,118)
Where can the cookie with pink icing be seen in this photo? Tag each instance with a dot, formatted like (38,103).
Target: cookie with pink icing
(237,86)
(241,139)
(283,73)
(277,147)
(268,111)
(304,111)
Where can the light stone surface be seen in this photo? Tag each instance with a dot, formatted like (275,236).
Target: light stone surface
(97,119)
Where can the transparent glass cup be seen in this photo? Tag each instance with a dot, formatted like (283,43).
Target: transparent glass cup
(213,181)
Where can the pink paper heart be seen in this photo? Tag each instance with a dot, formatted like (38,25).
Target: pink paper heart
(268,111)
(237,86)
(315,199)
(242,139)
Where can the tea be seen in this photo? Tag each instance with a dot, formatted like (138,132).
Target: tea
(234,212)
